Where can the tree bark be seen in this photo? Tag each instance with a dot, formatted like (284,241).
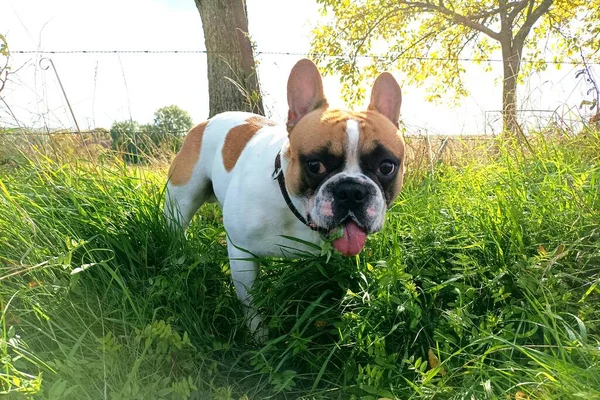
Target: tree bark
(229,57)
(512,49)
(511,67)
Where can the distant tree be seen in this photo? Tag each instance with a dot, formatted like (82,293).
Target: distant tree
(121,131)
(127,138)
(138,142)
(427,39)
(232,80)
(170,124)
(149,134)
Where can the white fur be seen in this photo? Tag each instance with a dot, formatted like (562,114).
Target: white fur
(255,215)
(352,136)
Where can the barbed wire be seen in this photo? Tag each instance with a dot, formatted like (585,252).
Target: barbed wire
(297,54)
(100,132)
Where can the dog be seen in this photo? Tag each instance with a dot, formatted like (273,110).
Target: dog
(325,169)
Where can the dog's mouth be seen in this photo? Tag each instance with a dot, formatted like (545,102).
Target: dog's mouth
(352,240)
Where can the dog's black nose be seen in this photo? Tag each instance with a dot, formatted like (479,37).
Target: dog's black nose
(349,193)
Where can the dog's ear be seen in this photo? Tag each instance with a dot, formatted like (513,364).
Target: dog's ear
(386,97)
(304,91)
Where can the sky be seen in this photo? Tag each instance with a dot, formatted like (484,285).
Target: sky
(103,88)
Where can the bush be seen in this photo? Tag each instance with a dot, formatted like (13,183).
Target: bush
(139,143)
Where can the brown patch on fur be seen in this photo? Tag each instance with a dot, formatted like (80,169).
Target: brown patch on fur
(377,128)
(182,166)
(238,137)
(318,129)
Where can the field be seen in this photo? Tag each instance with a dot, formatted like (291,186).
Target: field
(484,284)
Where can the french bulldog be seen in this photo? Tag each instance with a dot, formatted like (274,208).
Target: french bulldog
(324,172)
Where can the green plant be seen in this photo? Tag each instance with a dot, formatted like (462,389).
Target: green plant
(484,283)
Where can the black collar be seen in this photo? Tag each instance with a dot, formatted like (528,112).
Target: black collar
(278,174)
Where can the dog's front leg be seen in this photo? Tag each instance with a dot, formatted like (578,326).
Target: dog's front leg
(244,272)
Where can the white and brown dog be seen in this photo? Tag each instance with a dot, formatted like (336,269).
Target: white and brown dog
(328,169)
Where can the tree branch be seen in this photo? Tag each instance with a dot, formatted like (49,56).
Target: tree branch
(456,17)
(372,28)
(530,8)
(519,6)
(505,30)
(532,18)
(424,38)
(3,79)
(503,7)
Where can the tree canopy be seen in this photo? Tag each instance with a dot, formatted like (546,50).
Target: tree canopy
(172,120)
(428,40)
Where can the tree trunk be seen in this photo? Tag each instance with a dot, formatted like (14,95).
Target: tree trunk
(232,79)
(511,67)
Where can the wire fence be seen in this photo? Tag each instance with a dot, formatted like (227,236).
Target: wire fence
(492,119)
(24,132)
(388,55)
(422,152)
(531,120)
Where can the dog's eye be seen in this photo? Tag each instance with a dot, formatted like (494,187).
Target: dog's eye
(387,168)
(316,167)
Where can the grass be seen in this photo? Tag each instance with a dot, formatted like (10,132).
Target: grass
(483,284)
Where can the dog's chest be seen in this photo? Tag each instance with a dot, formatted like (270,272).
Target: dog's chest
(255,214)
(257,218)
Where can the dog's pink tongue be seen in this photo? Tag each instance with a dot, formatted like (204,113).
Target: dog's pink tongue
(353,240)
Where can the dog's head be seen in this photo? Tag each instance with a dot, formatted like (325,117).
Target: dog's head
(343,168)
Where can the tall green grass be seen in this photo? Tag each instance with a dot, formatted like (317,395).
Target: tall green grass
(484,283)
